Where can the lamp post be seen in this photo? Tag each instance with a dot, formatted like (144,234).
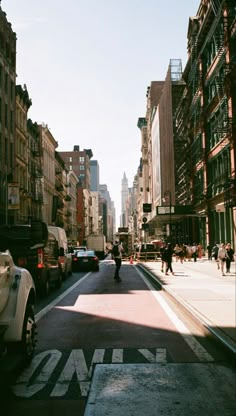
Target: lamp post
(169,195)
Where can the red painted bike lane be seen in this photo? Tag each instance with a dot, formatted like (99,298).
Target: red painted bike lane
(101,313)
(98,321)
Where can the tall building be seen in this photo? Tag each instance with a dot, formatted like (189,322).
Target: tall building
(49,145)
(79,161)
(22,153)
(205,123)
(188,160)
(94,175)
(7,115)
(124,199)
(106,212)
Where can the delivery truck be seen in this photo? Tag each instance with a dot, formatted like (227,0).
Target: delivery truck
(97,243)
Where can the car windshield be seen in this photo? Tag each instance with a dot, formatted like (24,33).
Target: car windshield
(80,248)
(85,253)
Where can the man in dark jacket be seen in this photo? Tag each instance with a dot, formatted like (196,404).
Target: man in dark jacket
(167,257)
(117,257)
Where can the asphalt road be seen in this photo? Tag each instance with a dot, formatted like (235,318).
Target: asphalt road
(94,324)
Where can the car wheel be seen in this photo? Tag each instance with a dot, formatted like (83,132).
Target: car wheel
(27,344)
(59,280)
(45,288)
(70,271)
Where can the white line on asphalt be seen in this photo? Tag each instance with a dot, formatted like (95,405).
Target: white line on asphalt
(47,308)
(117,355)
(159,357)
(189,338)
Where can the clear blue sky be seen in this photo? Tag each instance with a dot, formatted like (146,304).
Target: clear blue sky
(87,65)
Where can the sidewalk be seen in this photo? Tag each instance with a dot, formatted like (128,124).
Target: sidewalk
(208,296)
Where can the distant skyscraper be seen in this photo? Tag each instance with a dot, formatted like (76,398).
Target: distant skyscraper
(94,175)
(124,197)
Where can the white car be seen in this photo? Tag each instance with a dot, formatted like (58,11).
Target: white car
(17,300)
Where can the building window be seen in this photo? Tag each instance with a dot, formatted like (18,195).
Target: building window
(81,167)
(70,167)
(81,159)
(70,159)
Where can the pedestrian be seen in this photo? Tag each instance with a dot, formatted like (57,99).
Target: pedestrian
(194,252)
(162,250)
(214,253)
(209,251)
(168,253)
(222,258)
(229,257)
(177,250)
(199,251)
(189,252)
(117,251)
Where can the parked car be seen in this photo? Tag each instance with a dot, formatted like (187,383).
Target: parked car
(147,251)
(85,260)
(33,247)
(17,300)
(65,258)
(74,250)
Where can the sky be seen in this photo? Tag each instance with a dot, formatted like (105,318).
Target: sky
(87,65)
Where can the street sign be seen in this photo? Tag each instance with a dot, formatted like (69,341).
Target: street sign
(162,210)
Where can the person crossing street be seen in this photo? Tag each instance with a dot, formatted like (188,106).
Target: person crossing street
(117,251)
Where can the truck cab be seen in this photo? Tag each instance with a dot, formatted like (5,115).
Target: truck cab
(33,247)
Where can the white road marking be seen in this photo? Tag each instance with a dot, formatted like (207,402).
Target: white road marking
(159,357)
(45,363)
(47,308)
(189,338)
(76,364)
(117,355)
(23,387)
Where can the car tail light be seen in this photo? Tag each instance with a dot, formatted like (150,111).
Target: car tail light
(75,259)
(61,260)
(21,261)
(40,264)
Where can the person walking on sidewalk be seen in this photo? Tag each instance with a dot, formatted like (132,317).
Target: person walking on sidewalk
(116,252)
(194,252)
(168,254)
(162,250)
(214,254)
(222,258)
(229,257)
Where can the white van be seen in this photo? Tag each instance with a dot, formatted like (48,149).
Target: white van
(64,255)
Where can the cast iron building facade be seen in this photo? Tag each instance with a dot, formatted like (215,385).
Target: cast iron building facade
(7,113)
(205,122)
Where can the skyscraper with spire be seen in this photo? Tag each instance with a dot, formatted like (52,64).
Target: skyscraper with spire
(124,198)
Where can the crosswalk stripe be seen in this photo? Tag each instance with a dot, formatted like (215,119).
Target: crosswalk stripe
(117,356)
(159,357)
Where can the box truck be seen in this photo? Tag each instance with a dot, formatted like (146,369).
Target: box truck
(97,242)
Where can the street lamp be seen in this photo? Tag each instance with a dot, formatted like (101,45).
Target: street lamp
(169,195)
